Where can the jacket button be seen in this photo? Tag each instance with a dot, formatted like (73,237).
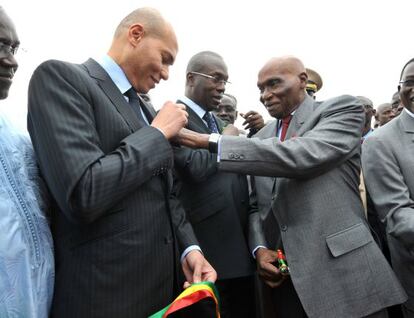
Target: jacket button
(284,227)
(167,239)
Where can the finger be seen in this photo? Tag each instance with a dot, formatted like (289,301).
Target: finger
(250,113)
(270,269)
(197,273)
(186,285)
(210,276)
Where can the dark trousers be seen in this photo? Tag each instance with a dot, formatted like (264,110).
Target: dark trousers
(237,297)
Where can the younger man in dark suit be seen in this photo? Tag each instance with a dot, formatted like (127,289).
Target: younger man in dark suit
(117,226)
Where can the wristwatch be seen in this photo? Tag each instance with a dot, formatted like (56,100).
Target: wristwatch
(213,143)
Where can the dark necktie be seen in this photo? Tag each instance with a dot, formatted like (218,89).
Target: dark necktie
(285,126)
(134,101)
(211,123)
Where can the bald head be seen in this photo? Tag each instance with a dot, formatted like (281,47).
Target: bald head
(144,46)
(150,18)
(285,65)
(282,83)
(384,113)
(200,61)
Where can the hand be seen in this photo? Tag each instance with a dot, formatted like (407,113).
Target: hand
(192,139)
(269,273)
(170,119)
(230,130)
(253,120)
(196,269)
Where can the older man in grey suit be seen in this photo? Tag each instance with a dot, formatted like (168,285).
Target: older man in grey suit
(117,225)
(388,167)
(316,215)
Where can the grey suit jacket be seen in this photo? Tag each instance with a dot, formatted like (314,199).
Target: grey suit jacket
(216,204)
(261,197)
(336,267)
(116,224)
(388,166)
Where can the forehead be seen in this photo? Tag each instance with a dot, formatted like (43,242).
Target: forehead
(215,65)
(409,70)
(271,71)
(227,101)
(7,29)
(384,108)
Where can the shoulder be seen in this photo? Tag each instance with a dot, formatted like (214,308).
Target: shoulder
(52,71)
(268,130)
(57,65)
(340,102)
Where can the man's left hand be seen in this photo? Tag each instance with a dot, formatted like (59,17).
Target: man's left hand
(196,269)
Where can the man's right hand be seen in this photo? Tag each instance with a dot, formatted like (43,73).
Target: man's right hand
(170,119)
(268,272)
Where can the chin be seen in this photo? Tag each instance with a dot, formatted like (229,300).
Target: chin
(4,94)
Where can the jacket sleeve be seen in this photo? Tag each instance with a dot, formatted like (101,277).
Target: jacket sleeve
(83,179)
(389,192)
(334,138)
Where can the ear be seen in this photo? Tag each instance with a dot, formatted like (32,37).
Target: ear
(303,77)
(136,33)
(189,79)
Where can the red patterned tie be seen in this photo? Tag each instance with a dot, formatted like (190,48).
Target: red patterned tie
(285,125)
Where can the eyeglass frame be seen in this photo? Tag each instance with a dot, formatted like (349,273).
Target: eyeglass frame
(409,80)
(8,48)
(214,78)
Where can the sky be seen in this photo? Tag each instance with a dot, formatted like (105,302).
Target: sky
(358,47)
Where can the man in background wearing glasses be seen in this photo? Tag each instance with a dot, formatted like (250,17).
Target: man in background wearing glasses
(216,203)
(26,255)
(390,182)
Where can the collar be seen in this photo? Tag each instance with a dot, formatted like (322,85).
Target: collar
(408,112)
(115,72)
(195,107)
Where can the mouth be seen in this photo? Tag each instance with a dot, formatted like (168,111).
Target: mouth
(217,99)
(7,76)
(155,81)
(270,106)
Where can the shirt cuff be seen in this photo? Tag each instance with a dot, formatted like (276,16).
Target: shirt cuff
(189,249)
(256,248)
(218,149)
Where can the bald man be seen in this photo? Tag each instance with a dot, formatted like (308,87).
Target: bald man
(384,114)
(310,206)
(117,226)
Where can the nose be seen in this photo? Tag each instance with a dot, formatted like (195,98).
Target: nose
(165,72)
(221,111)
(221,87)
(265,95)
(9,61)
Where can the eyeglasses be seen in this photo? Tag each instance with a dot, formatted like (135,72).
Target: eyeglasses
(215,79)
(408,83)
(8,49)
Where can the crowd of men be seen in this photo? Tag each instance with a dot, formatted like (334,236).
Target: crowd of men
(111,208)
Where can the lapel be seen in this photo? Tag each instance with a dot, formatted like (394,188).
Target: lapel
(195,123)
(113,93)
(219,123)
(407,123)
(148,109)
(302,113)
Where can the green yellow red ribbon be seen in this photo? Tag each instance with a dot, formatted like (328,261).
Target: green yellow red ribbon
(189,296)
